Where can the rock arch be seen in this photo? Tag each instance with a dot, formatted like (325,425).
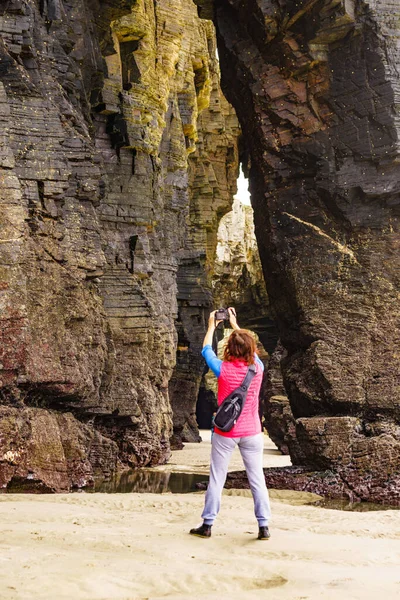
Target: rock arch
(316,90)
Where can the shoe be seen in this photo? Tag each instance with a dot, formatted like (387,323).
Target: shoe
(203,531)
(263,533)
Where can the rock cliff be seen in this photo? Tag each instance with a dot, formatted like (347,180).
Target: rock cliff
(103,206)
(316,89)
(118,157)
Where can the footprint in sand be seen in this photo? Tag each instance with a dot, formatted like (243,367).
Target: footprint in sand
(264,584)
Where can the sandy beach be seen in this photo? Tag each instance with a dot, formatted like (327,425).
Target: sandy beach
(136,546)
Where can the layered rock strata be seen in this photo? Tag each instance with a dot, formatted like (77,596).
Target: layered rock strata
(316,89)
(99,112)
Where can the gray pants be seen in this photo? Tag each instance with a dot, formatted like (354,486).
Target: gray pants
(251,448)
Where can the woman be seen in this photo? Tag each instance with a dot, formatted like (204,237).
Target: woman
(240,352)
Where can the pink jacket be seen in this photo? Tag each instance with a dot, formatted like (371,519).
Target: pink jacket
(232,375)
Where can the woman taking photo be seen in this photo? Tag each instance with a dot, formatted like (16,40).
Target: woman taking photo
(240,352)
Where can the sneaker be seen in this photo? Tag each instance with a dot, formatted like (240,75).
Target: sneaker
(263,533)
(203,531)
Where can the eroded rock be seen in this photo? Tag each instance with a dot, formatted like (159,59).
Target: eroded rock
(316,89)
(48,451)
(100,110)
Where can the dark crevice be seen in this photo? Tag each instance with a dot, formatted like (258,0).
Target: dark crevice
(118,131)
(132,247)
(49,398)
(134,153)
(130,69)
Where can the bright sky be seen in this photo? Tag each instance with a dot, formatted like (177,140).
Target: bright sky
(243,189)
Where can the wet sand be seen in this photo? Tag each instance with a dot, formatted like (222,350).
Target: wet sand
(136,546)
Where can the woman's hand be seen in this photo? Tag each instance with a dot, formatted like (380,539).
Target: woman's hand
(211,319)
(212,323)
(208,340)
(232,318)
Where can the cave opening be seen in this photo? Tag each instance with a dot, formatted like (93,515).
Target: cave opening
(239,277)
(231,275)
(243,192)
(130,70)
(238,281)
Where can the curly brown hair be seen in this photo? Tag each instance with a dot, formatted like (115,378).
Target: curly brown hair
(241,345)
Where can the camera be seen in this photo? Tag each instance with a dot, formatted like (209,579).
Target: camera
(222,314)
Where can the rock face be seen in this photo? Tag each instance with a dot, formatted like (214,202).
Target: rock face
(100,107)
(316,89)
(44,450)
(118,157)
(279,420)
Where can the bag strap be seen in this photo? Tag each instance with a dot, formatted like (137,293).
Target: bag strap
(251,371)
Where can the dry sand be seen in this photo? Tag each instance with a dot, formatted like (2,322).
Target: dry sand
(136,547)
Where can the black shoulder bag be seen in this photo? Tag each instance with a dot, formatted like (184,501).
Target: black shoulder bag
(229,410)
